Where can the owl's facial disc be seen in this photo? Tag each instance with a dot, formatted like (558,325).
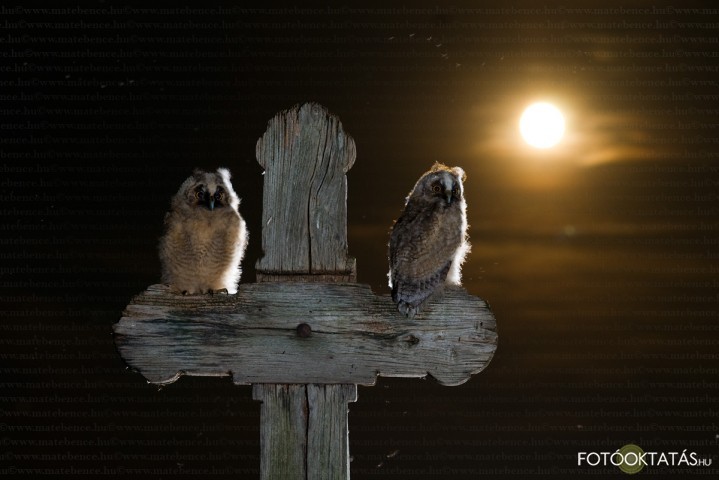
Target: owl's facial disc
(446,187)
(203,198)
(220,197)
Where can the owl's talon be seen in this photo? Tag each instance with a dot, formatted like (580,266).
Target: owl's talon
(218,291)
(407,310)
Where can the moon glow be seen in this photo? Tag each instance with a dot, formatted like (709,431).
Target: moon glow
(542,125)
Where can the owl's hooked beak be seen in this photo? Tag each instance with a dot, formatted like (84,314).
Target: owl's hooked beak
(208,201)
(449,196)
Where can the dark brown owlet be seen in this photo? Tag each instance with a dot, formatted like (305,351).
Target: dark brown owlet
(205,236)
(428,242)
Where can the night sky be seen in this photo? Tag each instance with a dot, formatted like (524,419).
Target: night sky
(599,257)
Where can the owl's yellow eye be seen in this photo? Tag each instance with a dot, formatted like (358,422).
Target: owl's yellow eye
(436,188)
(199,195)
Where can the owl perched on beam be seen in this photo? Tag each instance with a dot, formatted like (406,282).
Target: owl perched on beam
(205,236)
(428,241)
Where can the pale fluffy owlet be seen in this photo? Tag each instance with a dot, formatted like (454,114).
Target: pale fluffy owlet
(428,242)
(205,236)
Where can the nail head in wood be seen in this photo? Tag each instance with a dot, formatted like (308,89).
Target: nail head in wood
(304,330)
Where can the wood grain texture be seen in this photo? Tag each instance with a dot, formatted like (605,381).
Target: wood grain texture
(283,430)
(355,335)
(304,430)
(345,277)
(305,153)
(328,456)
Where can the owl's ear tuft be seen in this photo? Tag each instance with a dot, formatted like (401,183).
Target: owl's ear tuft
(224,173)
(459,171)
(438,167)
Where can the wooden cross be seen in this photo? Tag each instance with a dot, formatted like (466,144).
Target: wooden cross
(305,335)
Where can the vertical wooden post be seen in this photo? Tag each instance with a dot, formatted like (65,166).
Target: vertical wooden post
(304,430)
(283,430)
(328,449)
(306,154)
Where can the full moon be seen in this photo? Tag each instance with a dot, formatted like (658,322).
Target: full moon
(542,125)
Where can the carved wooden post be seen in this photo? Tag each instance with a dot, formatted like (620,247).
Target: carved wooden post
(305,335)
(305,154)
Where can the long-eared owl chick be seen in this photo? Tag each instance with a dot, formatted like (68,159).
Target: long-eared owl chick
(205,236)
(428,242)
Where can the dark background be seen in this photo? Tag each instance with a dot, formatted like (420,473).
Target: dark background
(599,257)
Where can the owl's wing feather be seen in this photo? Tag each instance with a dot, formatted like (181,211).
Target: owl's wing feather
(420,246)
(414,292)
(421,254)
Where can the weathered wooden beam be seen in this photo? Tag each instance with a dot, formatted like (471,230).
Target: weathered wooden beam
(305,153)
(283,430)
(354,335)
(328,451)
(303,432)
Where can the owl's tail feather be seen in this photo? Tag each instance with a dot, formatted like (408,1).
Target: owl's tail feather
(409,295)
